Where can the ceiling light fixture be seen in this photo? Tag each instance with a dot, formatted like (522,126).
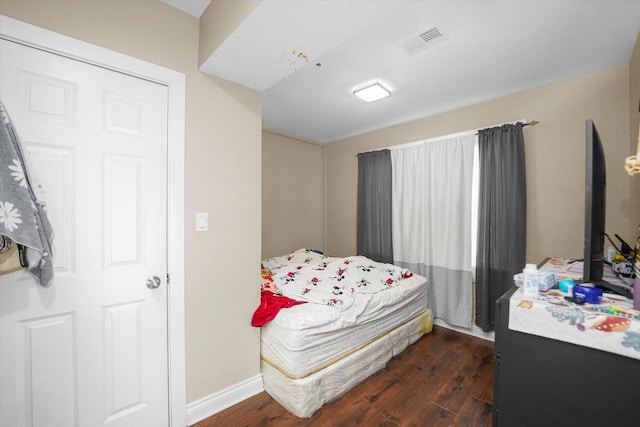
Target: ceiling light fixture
(372,92)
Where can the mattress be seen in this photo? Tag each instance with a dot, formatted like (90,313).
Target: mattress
(359,314)
(305,395)
(308,337)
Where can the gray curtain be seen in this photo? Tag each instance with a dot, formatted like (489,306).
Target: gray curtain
(374,206)
(501,217)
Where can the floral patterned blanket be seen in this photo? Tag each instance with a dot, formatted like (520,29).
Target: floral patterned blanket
(23,218)
(307,275)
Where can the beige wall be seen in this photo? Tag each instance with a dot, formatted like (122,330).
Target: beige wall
(292,194)
(223,161)
(555,159)
(218,21)
(634,120)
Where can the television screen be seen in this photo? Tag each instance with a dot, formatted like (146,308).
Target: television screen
(594,220)
(595,201)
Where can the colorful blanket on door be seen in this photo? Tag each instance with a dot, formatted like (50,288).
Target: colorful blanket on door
(306,275)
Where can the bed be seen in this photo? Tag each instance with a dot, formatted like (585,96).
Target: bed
(333,322)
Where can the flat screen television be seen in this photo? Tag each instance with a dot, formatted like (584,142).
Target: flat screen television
(595,209)
(595,206)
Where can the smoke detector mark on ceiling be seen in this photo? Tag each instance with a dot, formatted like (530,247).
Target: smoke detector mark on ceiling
(423,39)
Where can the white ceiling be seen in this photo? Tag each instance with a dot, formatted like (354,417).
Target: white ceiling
(307,56)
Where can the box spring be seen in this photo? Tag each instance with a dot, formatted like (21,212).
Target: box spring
(302,395)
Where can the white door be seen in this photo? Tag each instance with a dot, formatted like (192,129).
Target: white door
(91,350)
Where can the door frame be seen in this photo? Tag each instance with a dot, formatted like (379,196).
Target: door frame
(36,37)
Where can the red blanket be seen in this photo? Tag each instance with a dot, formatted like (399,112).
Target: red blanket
(270,301)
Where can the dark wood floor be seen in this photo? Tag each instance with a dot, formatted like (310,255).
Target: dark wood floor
(444,379)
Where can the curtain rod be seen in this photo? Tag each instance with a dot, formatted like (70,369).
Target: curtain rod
(531,123)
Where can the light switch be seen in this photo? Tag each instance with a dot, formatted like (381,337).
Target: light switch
(202,221)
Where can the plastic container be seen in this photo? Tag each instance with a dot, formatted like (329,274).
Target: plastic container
(546,280)
(530,280)
(566,286)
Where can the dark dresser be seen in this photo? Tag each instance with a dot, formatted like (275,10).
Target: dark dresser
(546,382)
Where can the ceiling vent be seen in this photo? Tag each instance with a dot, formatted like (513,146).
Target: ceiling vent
(423,40)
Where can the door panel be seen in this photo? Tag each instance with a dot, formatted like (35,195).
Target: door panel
(54,167)
(45,368)
(92,349)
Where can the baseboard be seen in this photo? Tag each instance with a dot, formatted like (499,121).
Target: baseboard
(223,399)
(474,331)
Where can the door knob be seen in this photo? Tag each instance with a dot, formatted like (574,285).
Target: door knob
(153,282)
